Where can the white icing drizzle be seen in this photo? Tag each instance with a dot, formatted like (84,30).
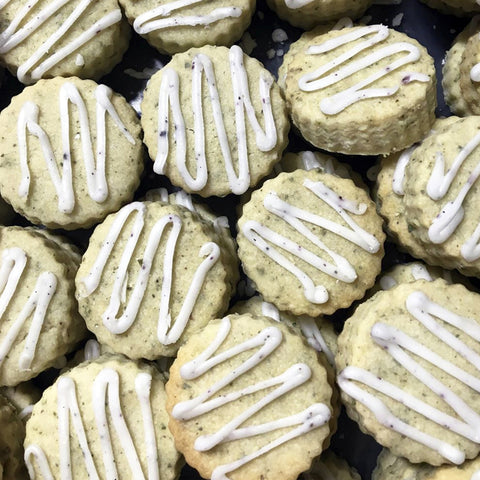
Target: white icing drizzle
(91,350)
(420,271)
(341,269)
(399,172)
(105,393)
(169,97)
(13,35)
(397,343)
(476,475)
(14,261)
(271,311)
(452,213)
(294,4)
(166,332)
(94,167)
(321,78)
(264,344)
(161,17)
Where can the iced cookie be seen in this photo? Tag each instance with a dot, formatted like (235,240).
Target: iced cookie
(313,235)
(75,155)
(39,321)
(12,435)
(215,121)
(362,90)
(329,466)
(103,419)
(408,363)
(247,399)
(151,276)
(173,26)
(49,38)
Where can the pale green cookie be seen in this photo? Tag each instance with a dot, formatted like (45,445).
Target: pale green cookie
(313,235)
(103,419)
(364,90)
(215,121)
(50,38)
(152,275)
(406,362)
(175,26)
(69,170)
(39,320)
(248,399)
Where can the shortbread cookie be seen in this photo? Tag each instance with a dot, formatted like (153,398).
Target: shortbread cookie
(441,196)
(23,397)
(75,156)
(461,71)
(313,235)
(247,399)
(173,26)
(12,435)
(48,38)
(362,90)
(215,121)
(390,466)
(308,13)
(151,276)
(103,419)
(329,466)
(39,321)
(408,373)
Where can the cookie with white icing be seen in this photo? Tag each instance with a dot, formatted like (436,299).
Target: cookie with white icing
(38,313)
(49,38)
(390,466)
(461,71)
(363,90)
(103,419)
(174,26)
(215,121)
(74,153)
(12,466)
(408,370)
(313,235)
(152,275)
(248,398)
(308,13)
(330,466)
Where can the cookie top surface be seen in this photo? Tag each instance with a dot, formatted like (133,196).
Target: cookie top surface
(75,155)
(247,397)
(408,363)
(215,121)
(314,235)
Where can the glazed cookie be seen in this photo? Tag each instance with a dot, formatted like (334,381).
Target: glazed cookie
(408,370)
(49,38)
(390,466)
(39,321)
(173,26)
(441,197)
(248,398)
(103,419)
(75,156)
(329,466)
(362,90)
(461,71)
(308,13)
(11,443)
(215,121)
(313,235)
(151,276)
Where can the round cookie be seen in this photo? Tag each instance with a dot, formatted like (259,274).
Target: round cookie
(69,164)
(39,321)
(329,466)
(151,276)
(314,235)
(364,90)
(308,13)
(248,398)
(49,38)
(102,419)
(174,26)
(408,373)
(215,121)
(11,443)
